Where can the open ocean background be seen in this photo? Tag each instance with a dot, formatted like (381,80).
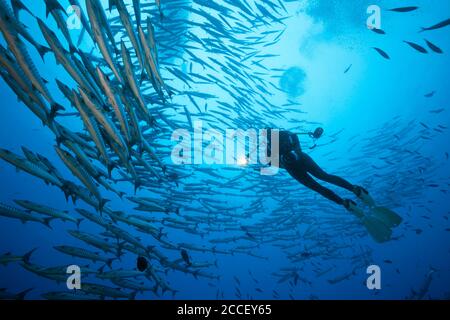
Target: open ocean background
(369,114)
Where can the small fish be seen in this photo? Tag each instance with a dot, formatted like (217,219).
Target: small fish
(439,25)
(84,254)
(94,8)
(434,47)
(378,31)
(426,285)
(15,213)
(416,47)
(65,296)
(382,53)
(4,295)
(54,213)
(436,111)
(424,125)
(431,94)
(348,68)
(404,9)
(137,11)
(185,257)
(7,258)
(105,291)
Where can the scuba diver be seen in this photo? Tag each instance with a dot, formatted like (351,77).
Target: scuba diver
(303,168)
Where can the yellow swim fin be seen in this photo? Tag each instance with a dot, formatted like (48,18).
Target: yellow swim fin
(379,231)
(378,224)
(387,216)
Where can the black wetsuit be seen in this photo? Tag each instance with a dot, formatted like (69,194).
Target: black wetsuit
(301,166)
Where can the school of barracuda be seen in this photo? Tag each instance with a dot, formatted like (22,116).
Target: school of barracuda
(126,94)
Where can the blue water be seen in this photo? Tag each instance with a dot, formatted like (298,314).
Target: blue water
(380,131)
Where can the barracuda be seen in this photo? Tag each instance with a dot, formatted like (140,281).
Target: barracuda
(54,213)
(117,106)
(8,28)
(104,121)
(92,128)
(105,246)
(16,73)
(93,9)
(11,212)
(30,167)
(64,59)
(126,21)
(132,83)
(85,254)
(54,8)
